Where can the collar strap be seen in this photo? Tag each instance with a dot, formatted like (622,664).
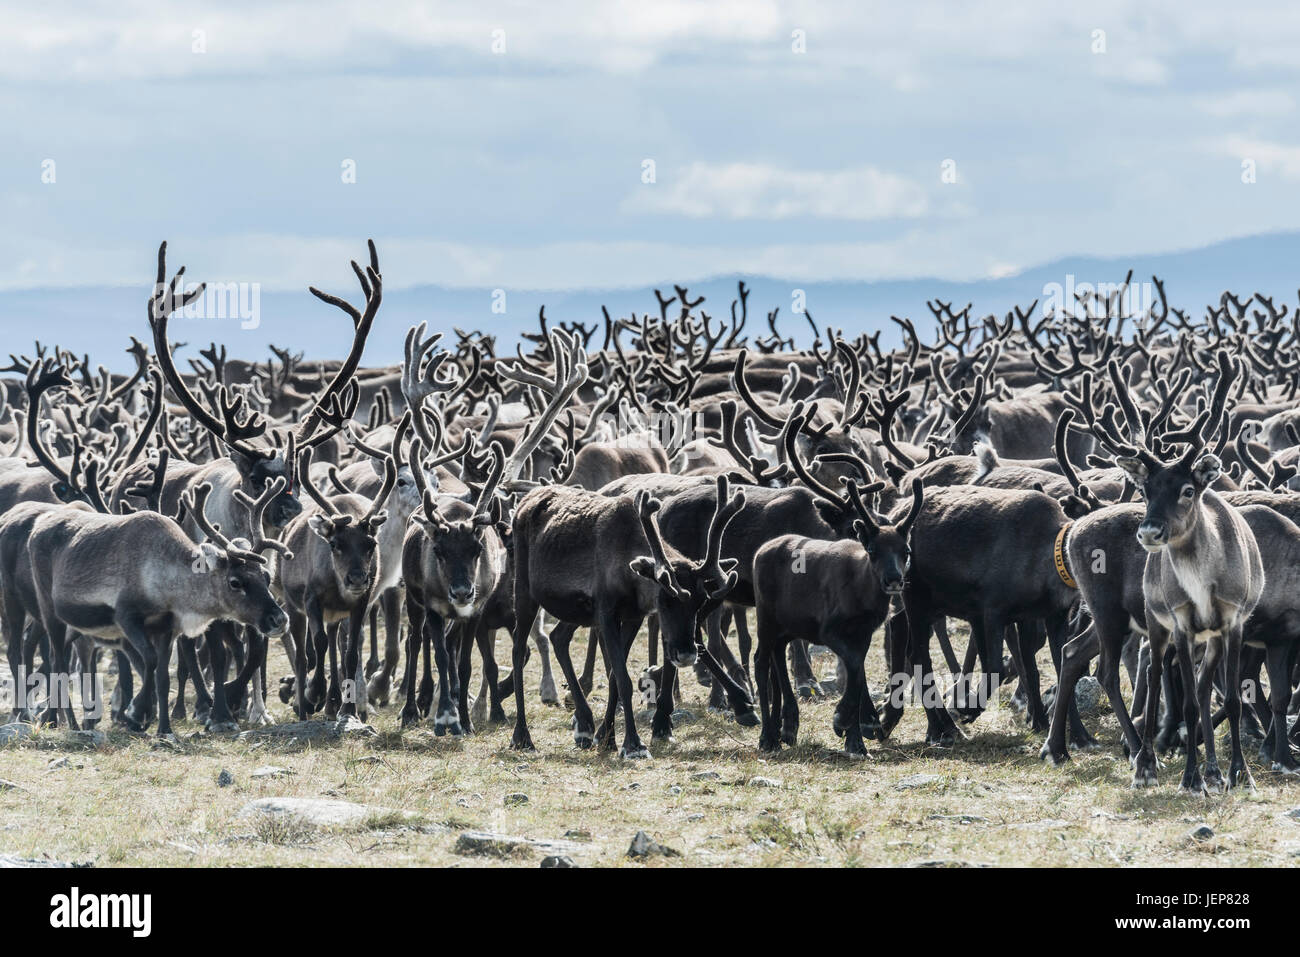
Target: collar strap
(1058,556)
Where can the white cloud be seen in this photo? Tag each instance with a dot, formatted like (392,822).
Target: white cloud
(1248,103)
(1269,157)
(760,191)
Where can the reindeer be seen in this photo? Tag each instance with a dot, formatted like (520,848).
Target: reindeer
(135,582)
(589,559)
(836,594)
(1204,576)
(329,575)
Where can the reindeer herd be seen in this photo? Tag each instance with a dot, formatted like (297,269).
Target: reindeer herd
(1112,486)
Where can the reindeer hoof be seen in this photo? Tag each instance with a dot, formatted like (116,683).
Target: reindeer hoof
(1055,758)
(638,752)
(221,727)
(548,692)
(747,718)
(769,745)
(1214,782)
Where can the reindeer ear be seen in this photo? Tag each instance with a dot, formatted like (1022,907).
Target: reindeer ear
(321,525)
(1134,468)
(830,514)
(1207,470)
(242,462)
(725,587)
(379,518)
(644,566)
(206,558)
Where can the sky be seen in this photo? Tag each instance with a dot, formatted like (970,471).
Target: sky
(582,145)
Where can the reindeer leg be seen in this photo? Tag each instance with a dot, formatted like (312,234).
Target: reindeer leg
(586,682)
(414,637)
(661,728)
(548,692)
(617,652)
(424,699)
(945,645)
(897,635)
(769,644)
(1192,782)
(391,603)
(742,705)
(744,642)
(219,718)
(184,646)
(446,718)
(372,663)
(161,667)
(465,671)
(487,651)
(140,647)
(1213,777)
(354,636)
(1026,642)
(334,697)
(1238,773)
(805,681)
(584,723)
(848,719)
(14,619)
(652,633)
(525,611)
(789,700)
(1278,660)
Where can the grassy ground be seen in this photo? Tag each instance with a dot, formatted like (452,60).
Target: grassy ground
(709,795)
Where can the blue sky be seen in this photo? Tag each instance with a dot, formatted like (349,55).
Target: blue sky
(523,168)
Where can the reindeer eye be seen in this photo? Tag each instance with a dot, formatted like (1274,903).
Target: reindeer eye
(236,585)
(1188,491)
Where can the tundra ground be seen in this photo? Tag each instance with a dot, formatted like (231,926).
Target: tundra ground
(709,795)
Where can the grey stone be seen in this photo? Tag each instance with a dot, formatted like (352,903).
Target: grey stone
(914,781)
(761,782)
(706,776)
(946,862)
(319,811)
(643,846)
(558,860)
(272,771)
(14,731)
(8,861)
(515,799)
(225,779)
(503,845)
(1202,832)
(311,731)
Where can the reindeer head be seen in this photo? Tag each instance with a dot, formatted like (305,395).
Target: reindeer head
(235,571)
(458,533)
(888,546)
(1172,487)
(687,591)
(352,539)
(1172,493)
(256,472)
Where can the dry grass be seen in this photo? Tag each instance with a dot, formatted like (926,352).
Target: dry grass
(990,799)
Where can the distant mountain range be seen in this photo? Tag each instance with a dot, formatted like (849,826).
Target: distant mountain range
(99,320)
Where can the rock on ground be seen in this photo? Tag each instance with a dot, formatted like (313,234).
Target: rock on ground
(320,811)
(503,845)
